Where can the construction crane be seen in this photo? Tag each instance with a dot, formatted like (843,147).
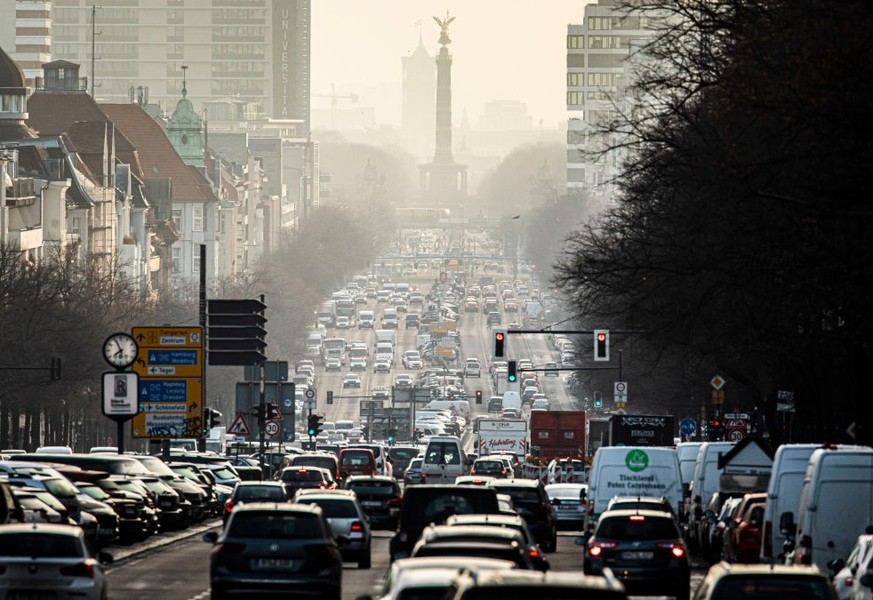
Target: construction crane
(334,98)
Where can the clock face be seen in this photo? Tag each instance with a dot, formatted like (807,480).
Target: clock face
(120,350)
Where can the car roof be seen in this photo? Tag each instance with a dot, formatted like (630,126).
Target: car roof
(333,494)
(499,519)
(540,582)
(515,483)
(354,478)
(619,514)
(454,531)
(277,507)
(48,528)
(430,562)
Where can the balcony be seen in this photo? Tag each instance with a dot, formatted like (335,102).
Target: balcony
(21,192)
(79,84)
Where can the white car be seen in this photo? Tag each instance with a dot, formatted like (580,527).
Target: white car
(358,363)
(382,365)
(472,368)
(351,380)
(343,323)
(50,561)
(333,364)
(381,392)
(403,380)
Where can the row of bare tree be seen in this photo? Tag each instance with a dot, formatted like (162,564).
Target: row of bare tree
(741,241)
(67,309)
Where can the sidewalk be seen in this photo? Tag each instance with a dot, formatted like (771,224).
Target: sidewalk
(121,553)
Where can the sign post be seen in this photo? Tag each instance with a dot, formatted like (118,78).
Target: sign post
(170,368)
(620,394)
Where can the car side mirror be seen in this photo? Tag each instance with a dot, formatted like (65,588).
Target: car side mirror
(210,537)
(836,565)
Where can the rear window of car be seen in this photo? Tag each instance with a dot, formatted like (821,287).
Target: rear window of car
(435,505)
(635,505)
(525,495)
(334,508)
(324,462)
(374,488)
(443,453)
(404,453)
(302,476)
(270,493)
(39,545)
(636,528)
(274,524)
(772,586)
(552,592)
(489,464)
(356,459)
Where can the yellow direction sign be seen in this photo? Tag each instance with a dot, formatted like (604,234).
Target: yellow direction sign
(170,369)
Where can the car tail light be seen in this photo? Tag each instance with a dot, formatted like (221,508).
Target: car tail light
(533,553)
(598,548)
(848,581)
(637,518)
(228,506)
(225,549)
(803,555)
(357,526)
(395,501)
(677,550)
(82,569)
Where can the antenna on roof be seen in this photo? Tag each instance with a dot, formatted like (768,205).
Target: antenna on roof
(184,81)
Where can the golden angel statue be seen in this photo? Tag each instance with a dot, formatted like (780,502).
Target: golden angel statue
(444,27)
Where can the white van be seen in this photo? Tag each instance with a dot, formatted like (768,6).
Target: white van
(836,504)
(632,470)
(444,460)
(705,481)
(366,319)
(783,494)
(687,452)
(512,399)
(460,408)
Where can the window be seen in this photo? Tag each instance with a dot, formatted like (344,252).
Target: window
(177,259)
(576,61)
(443,453)
(575,79)
(197,223)
(177,218)
(575,99)
(195,263)
(603,23)
(601,79)
(575,41)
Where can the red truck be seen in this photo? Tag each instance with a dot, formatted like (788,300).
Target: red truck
(557,434)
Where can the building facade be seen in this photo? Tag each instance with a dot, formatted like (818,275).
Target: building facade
(256,50)
(26,34)
(597,69)
(418,105)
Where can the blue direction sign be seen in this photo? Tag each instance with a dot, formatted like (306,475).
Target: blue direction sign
(167,390)
(687,426)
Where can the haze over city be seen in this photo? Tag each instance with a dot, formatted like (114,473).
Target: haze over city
(502,51)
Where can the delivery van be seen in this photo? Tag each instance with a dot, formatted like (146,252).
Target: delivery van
(512,399)
(836,505)
(459,408)
(631,471)
(444,460)
(783,495)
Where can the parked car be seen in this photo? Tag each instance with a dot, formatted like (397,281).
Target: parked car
(264,546)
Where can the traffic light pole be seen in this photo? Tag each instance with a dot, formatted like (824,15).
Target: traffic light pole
(262,407)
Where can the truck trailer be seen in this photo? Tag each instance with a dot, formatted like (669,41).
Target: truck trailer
(557,433)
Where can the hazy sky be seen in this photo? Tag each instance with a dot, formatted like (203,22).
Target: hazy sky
(502,50)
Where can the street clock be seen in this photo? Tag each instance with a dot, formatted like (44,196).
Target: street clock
(120,350)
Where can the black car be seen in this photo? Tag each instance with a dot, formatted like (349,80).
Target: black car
(380,497)
(429,504)
(401,456)
(273,548)
(531,501)
(305,478)
(487,467)
(644,549)
(413,321)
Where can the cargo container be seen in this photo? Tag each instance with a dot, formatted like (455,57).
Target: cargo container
(558,433)
(501,435)
(641,430)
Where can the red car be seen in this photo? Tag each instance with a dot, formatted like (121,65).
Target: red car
(743,541)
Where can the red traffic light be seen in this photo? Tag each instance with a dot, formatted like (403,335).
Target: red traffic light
(715,423)
(499,337)
(601,337)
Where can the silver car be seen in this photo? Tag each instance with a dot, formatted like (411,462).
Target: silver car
(346,518)
(569,502)
(49,560)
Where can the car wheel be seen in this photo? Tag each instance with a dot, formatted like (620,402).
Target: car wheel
(365,560)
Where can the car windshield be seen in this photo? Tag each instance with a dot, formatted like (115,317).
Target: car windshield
(94,491)
(636,528)
(334,508)
(356,459)
(60,488)
(325,462)
(262,524)
(39,545)
(521,495)
(772,587)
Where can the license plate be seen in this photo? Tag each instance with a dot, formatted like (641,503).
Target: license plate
(274,563)
(31,595)
(371,503)
(637,555)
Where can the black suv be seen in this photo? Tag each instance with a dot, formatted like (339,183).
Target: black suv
(412,321)
(531,501)
(380,497)
(425,505)
(267,546)
(645,551)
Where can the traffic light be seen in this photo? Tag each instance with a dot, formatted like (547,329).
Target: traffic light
(314,425)
(330,397)
(598,399)
(207,417)
(512,371)
(478,396)
(214,418)
(391,434)
(271,411)
(499,344)
(601,344)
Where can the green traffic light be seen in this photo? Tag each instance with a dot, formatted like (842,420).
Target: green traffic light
(311,431)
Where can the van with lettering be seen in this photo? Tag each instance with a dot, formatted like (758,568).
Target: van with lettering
(632,471)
